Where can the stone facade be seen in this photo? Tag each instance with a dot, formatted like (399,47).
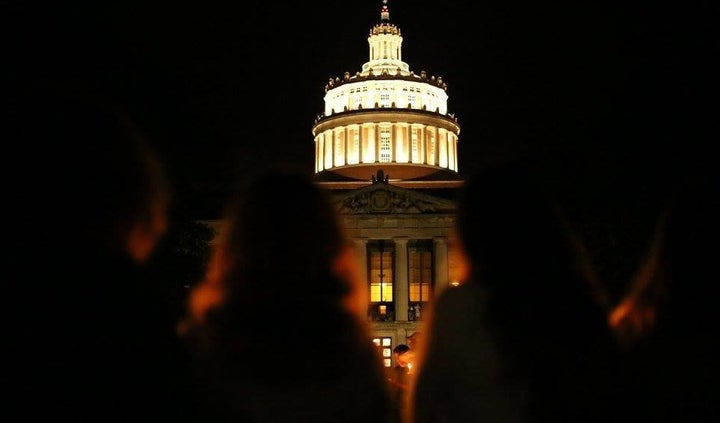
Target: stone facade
(400,217)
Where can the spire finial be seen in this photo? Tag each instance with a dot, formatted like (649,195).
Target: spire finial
(385,12)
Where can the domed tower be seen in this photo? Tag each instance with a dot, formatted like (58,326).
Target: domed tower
(386,119)
(387,148)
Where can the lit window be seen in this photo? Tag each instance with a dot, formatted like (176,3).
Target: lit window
(414,145)
(381,284)
(384,346)
(431,147)
(385,150)
(380,272)
(420,277)
(354,153)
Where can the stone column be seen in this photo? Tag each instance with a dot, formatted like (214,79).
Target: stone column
(422,145)
(442,147)
(318,154)
(402,295)
(329,152)
(359,151)
(432,145)
(335,148)
(441,264)
(349,147)
(369,130)
(405,143)
(394,140)
(455,145)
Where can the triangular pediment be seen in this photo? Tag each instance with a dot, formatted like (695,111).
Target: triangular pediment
(384,198)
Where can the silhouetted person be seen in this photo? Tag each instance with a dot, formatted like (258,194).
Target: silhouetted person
(274,328)
(523,339)
(667,322)
(95,341)
(399,378)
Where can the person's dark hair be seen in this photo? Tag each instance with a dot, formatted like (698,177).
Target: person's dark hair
(401,349)
(275,267)
(270,319)
(281,227)
(506,215)
(100,172)
(540,309)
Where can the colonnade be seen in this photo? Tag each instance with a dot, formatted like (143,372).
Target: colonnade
(386,142)
(400,271)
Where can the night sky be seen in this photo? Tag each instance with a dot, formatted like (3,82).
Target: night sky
(608,95)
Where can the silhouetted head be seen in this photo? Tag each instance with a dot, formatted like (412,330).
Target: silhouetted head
(539,307)
(401,349)
(281,245)
(402,358)
(508,223)
(280,263)
(99,180)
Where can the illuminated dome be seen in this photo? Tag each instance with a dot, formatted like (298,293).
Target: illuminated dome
(386,117)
